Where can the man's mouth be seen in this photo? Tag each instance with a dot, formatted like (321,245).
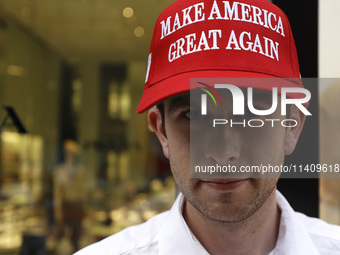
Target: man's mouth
(223,184)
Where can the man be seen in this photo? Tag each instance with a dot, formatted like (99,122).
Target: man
(240,214)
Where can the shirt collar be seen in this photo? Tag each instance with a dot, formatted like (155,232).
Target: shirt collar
(175,236)
(293,236)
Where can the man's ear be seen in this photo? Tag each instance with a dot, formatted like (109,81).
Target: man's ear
(155,121)
(293,133)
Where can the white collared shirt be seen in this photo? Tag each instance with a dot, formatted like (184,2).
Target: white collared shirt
(168,234)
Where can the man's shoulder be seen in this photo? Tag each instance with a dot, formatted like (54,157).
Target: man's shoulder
(324,235)
(318,227)
(132,240)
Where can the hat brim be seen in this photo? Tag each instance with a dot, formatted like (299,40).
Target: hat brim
(180,84)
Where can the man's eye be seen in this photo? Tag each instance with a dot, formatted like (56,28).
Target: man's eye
(194,115)
(248,113)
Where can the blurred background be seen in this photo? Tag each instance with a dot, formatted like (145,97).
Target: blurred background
(88,166)
(76,161)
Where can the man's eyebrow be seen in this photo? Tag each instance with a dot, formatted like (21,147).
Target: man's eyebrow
(262,96)
(178,102)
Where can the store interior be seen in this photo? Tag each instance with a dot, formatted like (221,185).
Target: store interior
(77,163)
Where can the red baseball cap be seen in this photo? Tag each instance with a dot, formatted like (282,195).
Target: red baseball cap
(213,38)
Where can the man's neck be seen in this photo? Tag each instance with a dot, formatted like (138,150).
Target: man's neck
(257,235)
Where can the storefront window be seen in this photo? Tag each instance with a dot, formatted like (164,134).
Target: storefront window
(88,165)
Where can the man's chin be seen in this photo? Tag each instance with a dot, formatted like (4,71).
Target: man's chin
(234,205)
(226,213)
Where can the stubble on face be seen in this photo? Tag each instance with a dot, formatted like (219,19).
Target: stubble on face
(226,208)
(223,207)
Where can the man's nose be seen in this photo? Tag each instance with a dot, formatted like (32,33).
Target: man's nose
(223,145)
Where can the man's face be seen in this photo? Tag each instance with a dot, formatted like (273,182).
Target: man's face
(226,200)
